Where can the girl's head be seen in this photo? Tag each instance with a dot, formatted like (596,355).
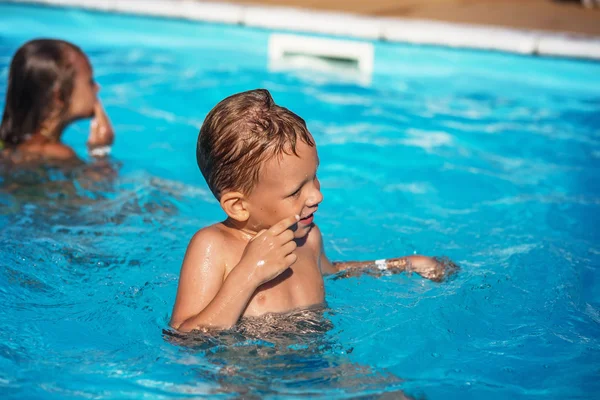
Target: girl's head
(50,84)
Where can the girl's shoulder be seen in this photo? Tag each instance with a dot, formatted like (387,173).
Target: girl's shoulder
(57,151)
(35,153)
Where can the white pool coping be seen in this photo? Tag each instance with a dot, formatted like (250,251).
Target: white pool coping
(400,30)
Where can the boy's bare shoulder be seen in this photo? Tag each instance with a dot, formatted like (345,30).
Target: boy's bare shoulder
(314,239)
(213,238)
(206,246)
(212,235)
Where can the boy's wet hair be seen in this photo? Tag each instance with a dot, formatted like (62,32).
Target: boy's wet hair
(40,70)
(240,134)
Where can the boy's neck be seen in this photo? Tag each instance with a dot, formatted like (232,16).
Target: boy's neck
(243,232)
(240,227)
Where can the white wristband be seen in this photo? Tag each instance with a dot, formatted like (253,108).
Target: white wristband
(101,151)
(381,264)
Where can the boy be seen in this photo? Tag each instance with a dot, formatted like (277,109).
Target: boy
(260,162)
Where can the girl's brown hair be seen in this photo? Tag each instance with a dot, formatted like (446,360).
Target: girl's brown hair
(40,70)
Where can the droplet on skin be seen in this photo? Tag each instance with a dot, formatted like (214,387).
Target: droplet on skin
(260,263)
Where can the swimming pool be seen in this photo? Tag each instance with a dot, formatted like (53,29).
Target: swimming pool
(488,158)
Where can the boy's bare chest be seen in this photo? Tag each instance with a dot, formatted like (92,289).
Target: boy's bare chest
(299,286)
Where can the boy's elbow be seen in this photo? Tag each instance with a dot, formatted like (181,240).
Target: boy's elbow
(190,324)
(182,326)
(174,324)
(179,324)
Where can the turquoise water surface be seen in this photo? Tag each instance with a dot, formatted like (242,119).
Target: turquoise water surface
(488,158)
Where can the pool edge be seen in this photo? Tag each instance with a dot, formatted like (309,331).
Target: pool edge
(400,30)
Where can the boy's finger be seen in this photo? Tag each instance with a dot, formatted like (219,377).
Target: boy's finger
(286,236)
(289,248)
(290,259)
(283,225)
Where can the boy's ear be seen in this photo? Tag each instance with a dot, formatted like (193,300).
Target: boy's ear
(234,205)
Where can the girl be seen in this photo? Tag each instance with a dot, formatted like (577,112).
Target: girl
(50,85)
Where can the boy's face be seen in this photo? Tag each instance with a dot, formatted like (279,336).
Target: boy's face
(287,186)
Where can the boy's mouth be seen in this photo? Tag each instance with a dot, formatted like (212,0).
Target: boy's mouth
(307,220)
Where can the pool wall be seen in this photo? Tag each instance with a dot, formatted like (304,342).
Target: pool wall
(340,24)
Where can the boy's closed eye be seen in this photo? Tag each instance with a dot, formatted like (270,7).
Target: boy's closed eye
(297,192)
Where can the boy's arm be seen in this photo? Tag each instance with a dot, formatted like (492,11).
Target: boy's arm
(431,268)
(204,298)
(428,267)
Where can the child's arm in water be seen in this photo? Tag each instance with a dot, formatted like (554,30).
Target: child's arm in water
(102,134)
(428,267)
(433,268)
(205,299)
(100,139)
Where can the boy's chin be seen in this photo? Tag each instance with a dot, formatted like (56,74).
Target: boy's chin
(302,230)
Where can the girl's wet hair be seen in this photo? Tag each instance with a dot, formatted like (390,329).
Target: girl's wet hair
(40,70)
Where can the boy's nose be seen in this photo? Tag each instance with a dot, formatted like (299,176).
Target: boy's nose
(315,197)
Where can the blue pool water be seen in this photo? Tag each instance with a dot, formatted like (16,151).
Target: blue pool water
(490,159)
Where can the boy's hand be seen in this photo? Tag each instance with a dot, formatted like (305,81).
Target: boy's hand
(101,131)
(432,268)
(271,251)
